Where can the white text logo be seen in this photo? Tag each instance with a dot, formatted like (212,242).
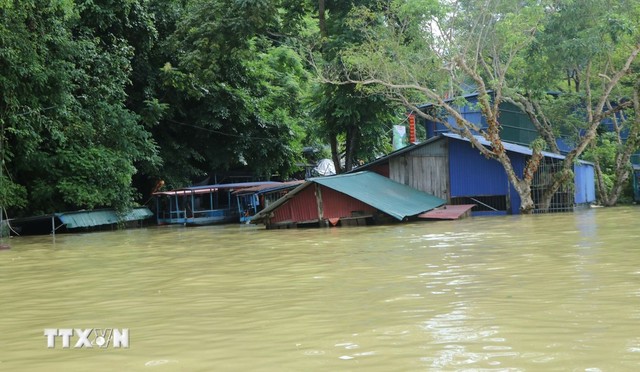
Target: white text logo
(88,338)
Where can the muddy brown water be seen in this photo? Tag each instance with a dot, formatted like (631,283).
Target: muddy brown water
(516,293)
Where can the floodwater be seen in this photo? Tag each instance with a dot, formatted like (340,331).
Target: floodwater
(536,293)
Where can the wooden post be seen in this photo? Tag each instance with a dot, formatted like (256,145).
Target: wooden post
(53,225)
(319,203)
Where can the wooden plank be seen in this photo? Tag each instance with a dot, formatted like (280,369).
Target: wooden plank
(448,212)
(319,202)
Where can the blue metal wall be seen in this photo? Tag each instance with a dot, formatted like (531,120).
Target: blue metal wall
(471,174)
(584,183)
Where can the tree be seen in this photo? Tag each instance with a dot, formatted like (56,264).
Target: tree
(63,108)
(595,44)
(428,51)
(351,116)
(230,91)
(612,152)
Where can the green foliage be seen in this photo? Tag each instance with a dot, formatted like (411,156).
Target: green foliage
(96,176)
(538,144)
(605,154)
(11,194)
(64,93)
(231,94)
(358,118)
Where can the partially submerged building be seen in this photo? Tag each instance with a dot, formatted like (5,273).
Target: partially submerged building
(77,221)
(357,198)
(251,200)
(448,167)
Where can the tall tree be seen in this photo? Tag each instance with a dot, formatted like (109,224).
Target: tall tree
(70,140)
(594,45)
(429,51)
(350,116)
(230,91)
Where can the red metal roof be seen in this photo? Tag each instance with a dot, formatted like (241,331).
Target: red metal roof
(211,188)
(269,187)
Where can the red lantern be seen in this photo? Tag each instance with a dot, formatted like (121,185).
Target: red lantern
(412,128)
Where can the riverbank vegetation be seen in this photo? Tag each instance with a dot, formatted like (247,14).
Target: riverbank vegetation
(102,99)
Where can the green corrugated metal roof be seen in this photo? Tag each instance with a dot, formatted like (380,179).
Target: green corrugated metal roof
(99,217)
(392,198)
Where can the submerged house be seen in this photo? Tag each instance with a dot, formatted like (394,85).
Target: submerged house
(202,205)
(79,221)
(358,198)
(251,200)
(448,167)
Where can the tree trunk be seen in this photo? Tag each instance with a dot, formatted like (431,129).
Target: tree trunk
(351,145)
(526,201)
(617,188)
(335,153)
(521,185)
(322,19)
(623,158)
(550,191)
(600,186)
(623,161)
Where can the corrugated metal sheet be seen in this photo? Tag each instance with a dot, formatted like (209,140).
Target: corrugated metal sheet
(336,204)
(370,191)
(507,145)
(448,212)
(269,187)
(472,174)
(424,148)
(585,189)
(139,213)
(299,205)
(390,197)
(210,188)
(100,217)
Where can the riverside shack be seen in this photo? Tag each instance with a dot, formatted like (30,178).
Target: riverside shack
(358,198)
(448,167)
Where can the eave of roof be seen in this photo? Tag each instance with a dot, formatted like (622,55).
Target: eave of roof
(99,217)
(263,189)
(212,188)
(507,145)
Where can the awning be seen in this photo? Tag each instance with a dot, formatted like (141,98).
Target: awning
(100,217)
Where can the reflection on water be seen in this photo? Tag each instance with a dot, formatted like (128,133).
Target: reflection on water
(544,292)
